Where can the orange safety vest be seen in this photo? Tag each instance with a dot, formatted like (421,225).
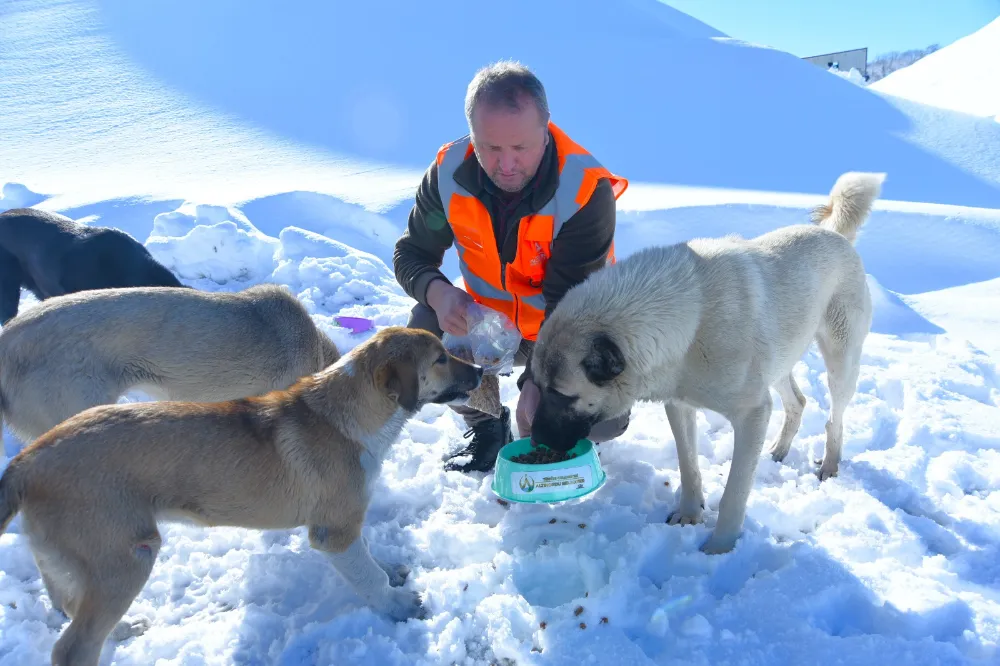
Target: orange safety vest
(515,289)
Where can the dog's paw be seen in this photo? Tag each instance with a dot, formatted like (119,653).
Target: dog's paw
(130,627)
(688,513)
(718,544)
(828,470)
(405,604)
(397,573)
(779,453)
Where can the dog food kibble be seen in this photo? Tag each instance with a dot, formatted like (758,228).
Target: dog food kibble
(541,456)
(583,625)
(579,609)
(467,355)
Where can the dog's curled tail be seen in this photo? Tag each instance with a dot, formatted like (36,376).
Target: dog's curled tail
(850,203)
(10,496)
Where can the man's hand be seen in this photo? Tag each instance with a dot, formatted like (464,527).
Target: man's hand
(449,304)
(527,403)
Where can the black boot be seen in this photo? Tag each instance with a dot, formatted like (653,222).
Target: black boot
(488,437)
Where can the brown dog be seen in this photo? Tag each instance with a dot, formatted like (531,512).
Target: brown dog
(90,490)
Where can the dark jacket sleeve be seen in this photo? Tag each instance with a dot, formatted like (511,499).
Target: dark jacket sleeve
(581,248)
(419,252)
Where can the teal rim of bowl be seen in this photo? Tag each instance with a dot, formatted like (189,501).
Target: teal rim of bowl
(581,475)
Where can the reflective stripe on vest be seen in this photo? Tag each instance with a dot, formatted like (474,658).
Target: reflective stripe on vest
(516,288)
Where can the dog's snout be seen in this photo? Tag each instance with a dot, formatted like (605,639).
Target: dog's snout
(557,428)
(477,375)
(467,374)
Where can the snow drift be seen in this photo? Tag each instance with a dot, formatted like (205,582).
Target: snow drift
(229,101)
(962,76)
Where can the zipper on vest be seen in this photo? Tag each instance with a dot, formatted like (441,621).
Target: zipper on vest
(517,300)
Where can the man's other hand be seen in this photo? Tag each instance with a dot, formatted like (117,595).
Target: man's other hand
(527,404)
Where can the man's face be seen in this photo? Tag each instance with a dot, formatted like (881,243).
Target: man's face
(509,144)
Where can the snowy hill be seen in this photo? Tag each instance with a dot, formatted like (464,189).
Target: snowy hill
(243,142)
(962,76)
(231,101)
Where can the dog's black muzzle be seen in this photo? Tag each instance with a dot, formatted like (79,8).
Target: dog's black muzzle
(559,427)
(467,378)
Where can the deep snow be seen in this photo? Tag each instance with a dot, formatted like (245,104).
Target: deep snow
(234,167)
(961,76)
(230,101)
(894,559)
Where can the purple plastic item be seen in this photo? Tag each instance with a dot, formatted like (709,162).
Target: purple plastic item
(356,324)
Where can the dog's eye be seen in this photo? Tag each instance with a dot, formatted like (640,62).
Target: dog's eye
(442,359)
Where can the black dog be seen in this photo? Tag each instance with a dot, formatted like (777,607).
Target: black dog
(51,255)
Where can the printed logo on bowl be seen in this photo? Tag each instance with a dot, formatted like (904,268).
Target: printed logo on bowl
(571,478)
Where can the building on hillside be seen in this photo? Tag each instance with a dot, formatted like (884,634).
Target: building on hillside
(843,60)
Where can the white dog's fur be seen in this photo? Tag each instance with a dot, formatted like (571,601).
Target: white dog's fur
(713,323)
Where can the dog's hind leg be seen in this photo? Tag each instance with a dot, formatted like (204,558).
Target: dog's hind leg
(749,430)
(683,422)
(105,596)
(840,342)
(794,403)
(842,368)
(60,571)
(57,575)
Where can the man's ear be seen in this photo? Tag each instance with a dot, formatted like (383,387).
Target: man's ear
(399,381)
(604,361)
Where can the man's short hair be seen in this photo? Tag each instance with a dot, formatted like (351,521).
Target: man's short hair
(503,84)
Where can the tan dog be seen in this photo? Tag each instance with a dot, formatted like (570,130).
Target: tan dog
(90,491)
(76,351)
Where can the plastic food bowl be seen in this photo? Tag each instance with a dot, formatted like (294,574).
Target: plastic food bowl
(550,482)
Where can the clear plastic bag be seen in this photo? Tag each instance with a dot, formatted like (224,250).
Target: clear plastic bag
(492,340)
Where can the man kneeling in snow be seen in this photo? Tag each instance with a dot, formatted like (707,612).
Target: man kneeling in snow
(531,212)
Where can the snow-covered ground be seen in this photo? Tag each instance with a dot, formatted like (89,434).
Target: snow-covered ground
(962,76)
(897,558)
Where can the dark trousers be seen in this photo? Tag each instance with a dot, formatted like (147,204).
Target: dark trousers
(424,318)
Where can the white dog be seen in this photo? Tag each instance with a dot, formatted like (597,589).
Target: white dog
(714,323)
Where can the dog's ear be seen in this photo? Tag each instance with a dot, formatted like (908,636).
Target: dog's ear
(604,361)
(400,383)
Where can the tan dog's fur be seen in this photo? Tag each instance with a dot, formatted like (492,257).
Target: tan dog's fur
(89,348)
(90,491)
